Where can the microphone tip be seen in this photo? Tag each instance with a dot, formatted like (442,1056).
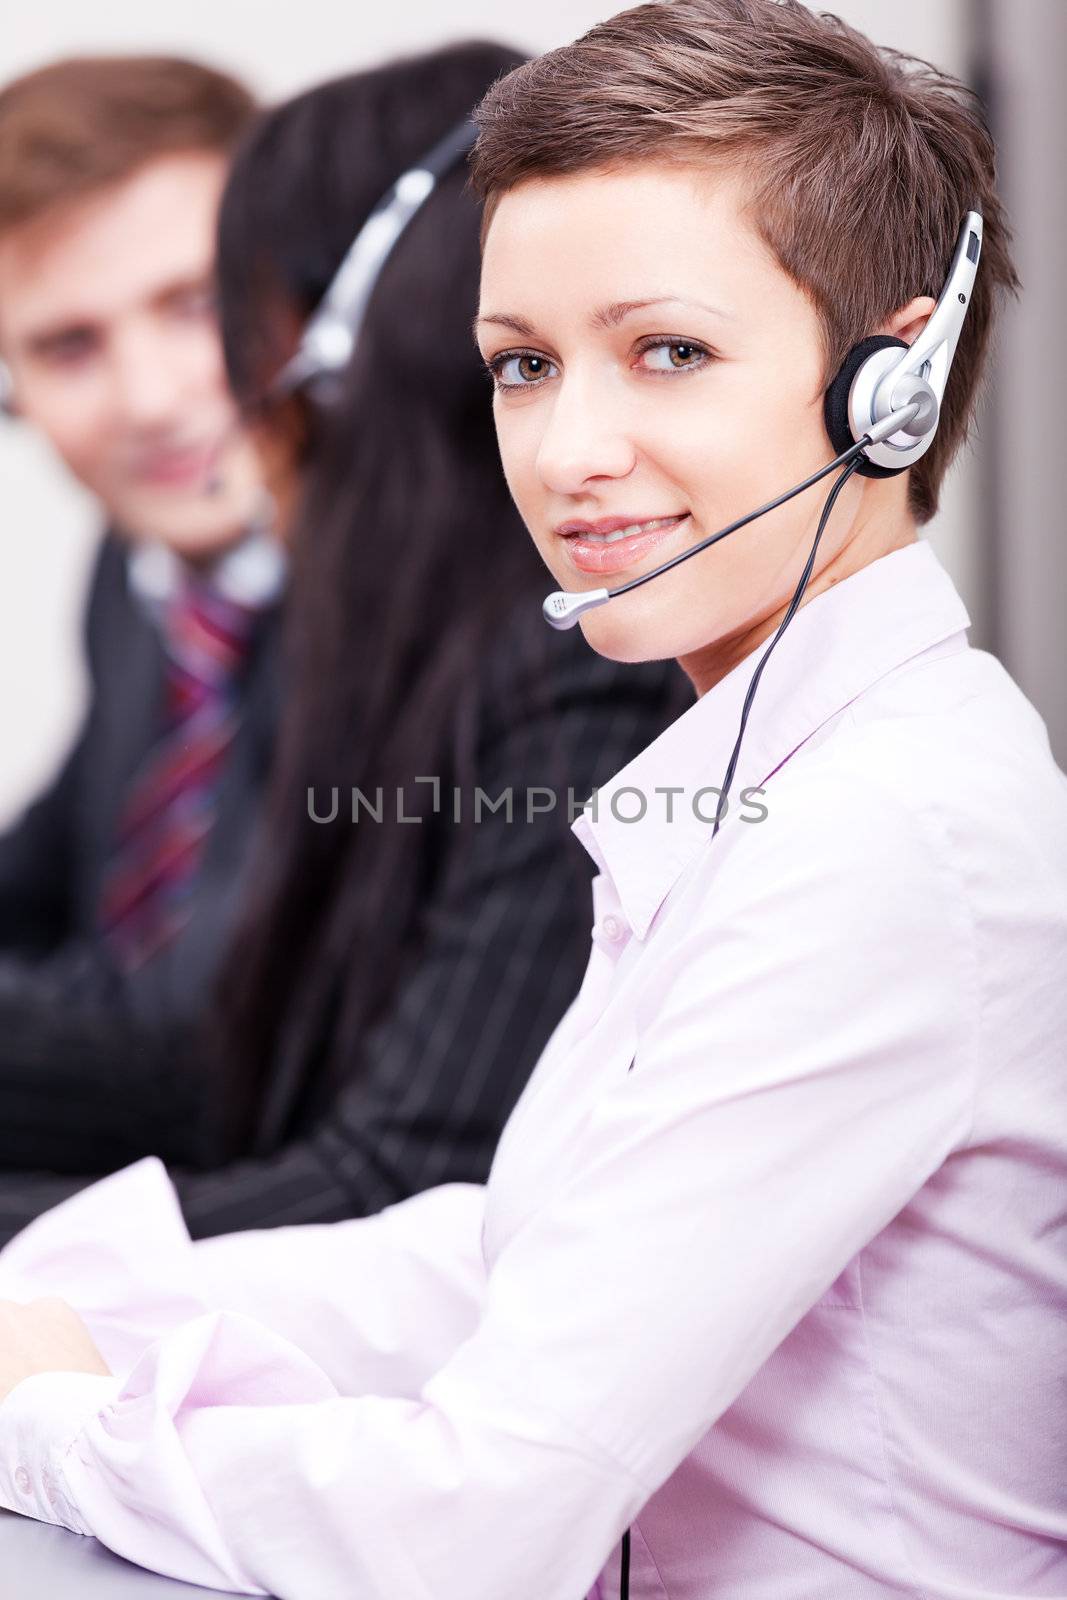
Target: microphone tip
(562,610)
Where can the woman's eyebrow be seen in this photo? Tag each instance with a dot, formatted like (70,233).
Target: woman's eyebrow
(606,317)
(611,316)
(517,324)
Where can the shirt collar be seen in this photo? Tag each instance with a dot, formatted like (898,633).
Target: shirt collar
(836,647)
(251,574)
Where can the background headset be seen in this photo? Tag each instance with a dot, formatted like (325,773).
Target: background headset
(329,338)
(331,333)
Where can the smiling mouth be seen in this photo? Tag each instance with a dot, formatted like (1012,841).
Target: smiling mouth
(601,553)
(652,526)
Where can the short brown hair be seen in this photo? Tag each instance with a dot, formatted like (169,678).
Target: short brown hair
(80,124)
(861,160)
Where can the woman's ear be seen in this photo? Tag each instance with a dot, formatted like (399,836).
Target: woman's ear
(909,321)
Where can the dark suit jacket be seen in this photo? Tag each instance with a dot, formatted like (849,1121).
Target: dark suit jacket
(52,861)
(74,1032)
(502,941)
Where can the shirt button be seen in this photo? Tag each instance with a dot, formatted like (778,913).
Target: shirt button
(611,927)
(22,1481)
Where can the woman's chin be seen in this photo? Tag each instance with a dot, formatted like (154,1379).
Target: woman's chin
(612,632)
(642,626)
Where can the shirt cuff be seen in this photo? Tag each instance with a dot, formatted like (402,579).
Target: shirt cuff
(39,1421)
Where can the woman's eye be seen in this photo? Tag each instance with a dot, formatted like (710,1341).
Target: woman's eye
(674,355)
(520,371)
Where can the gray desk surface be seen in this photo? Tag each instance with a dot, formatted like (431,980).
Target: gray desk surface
(40,1562)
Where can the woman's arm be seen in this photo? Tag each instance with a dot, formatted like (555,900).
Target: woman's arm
(811,1065)
(378,1304)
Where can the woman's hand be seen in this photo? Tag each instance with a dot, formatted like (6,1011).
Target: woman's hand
(44,1336)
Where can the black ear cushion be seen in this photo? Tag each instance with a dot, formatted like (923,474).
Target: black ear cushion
(835,402)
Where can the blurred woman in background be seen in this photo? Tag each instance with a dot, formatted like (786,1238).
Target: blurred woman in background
(391,982)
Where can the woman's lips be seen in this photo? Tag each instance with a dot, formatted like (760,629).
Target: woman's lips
(594,555)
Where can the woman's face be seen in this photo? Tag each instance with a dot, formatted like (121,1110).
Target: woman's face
(654,365)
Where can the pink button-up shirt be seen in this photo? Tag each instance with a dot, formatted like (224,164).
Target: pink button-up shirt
(771,1263)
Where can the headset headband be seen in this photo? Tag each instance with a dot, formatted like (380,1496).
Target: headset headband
(330,336)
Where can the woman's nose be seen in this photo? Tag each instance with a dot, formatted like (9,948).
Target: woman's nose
(584,438)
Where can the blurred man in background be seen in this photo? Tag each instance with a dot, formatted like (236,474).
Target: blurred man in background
(388,989)
(116,887)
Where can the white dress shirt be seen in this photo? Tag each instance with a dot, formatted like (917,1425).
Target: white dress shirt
(771,1262)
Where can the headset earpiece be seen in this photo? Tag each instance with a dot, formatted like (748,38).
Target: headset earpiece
(882,377)
(836,401)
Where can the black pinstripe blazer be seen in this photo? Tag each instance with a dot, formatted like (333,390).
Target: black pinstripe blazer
(502,943)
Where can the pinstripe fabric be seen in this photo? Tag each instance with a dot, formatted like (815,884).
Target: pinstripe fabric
(499,953)
(503,947)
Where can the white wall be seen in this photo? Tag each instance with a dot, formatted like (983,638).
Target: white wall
(1029,47)
(47,527)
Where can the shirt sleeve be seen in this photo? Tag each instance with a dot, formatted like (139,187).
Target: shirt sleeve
(810,1066)
(120,1254)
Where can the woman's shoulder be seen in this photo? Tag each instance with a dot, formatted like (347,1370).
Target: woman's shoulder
(939,784)
(954,739)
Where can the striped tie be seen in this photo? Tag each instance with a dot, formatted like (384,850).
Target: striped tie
(149,884)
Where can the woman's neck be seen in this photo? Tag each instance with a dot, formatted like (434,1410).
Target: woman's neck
(880,526)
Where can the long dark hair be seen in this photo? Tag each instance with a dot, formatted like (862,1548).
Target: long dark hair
(405,542)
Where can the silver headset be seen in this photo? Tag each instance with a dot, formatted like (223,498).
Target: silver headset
(329,339)
(889,381)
